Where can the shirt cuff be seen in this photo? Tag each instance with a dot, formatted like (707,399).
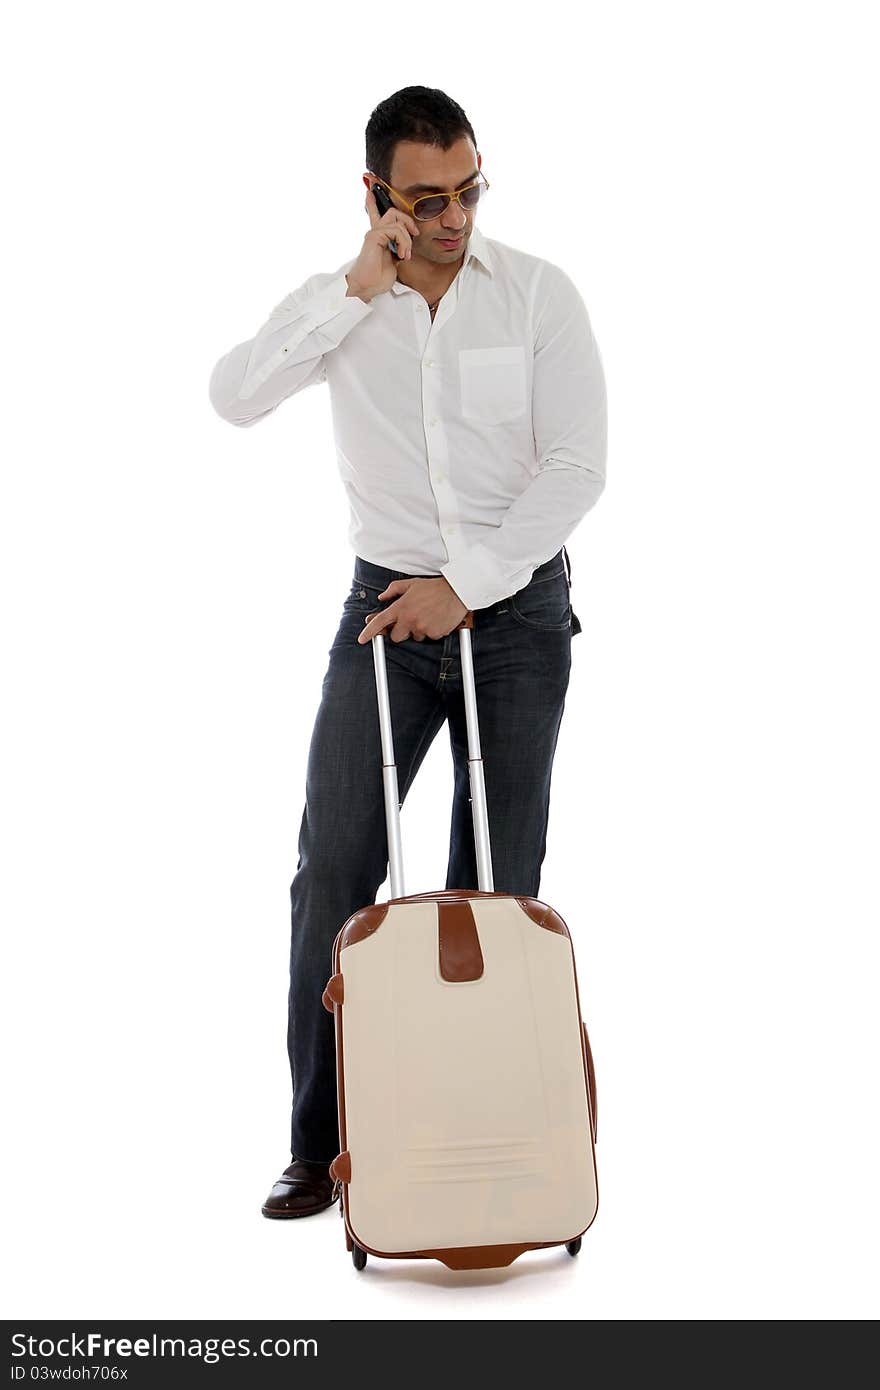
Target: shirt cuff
(479,580)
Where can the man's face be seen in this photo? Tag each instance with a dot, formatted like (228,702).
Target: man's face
(443,171)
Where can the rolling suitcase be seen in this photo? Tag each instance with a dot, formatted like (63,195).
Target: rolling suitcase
(467,1096)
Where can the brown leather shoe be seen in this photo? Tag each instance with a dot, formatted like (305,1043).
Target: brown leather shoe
(302,1190)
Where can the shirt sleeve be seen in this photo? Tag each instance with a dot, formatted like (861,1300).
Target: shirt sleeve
(570,423)
(287,354)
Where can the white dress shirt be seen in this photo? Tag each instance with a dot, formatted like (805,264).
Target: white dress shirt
(471,446)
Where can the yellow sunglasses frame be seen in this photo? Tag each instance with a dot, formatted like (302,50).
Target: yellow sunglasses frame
(453,197)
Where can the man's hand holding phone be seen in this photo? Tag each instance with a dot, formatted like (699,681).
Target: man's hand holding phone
(375,269)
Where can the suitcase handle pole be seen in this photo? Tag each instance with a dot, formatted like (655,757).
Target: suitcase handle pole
(389,770)
(479,809)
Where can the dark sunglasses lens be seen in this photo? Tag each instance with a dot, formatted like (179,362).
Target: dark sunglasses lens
(426,208)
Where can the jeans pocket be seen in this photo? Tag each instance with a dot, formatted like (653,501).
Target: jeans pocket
(543,603)
(362,598)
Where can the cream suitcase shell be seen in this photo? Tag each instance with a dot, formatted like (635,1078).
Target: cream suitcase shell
(464,1074)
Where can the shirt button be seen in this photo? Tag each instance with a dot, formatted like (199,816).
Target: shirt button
(433,420)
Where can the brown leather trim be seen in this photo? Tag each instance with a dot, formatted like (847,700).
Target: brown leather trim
(340,1168)
(544,916)
(591,1081)
(340,1085)
(540,913)
(368,919)
(480,1256)
(362,924)
(466,1256)
(334,992)
(441,893)
(458,942)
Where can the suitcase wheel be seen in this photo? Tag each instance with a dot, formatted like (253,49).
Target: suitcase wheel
(573,1246)
(359,1256)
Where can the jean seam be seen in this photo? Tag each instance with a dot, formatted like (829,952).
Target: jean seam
(414,759)
(541,627)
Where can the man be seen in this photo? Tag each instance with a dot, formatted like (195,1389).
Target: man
(469,411)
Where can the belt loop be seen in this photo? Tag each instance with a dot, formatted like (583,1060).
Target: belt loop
(567,565)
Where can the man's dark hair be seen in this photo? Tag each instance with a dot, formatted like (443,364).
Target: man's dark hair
(424,114)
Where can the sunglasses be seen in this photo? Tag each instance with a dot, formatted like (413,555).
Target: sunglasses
(434,204)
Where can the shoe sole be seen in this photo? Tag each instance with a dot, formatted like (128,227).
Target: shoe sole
(293,1215)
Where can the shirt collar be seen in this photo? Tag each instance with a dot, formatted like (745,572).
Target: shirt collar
(477,247)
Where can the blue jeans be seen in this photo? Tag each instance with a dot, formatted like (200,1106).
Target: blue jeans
(522,659)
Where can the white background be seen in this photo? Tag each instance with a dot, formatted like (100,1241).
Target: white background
(706,174)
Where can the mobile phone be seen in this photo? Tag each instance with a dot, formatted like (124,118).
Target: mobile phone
(383,203)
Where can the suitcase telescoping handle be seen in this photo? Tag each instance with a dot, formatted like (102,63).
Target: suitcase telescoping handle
(475,764)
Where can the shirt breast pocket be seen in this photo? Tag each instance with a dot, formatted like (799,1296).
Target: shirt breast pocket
(493,384)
